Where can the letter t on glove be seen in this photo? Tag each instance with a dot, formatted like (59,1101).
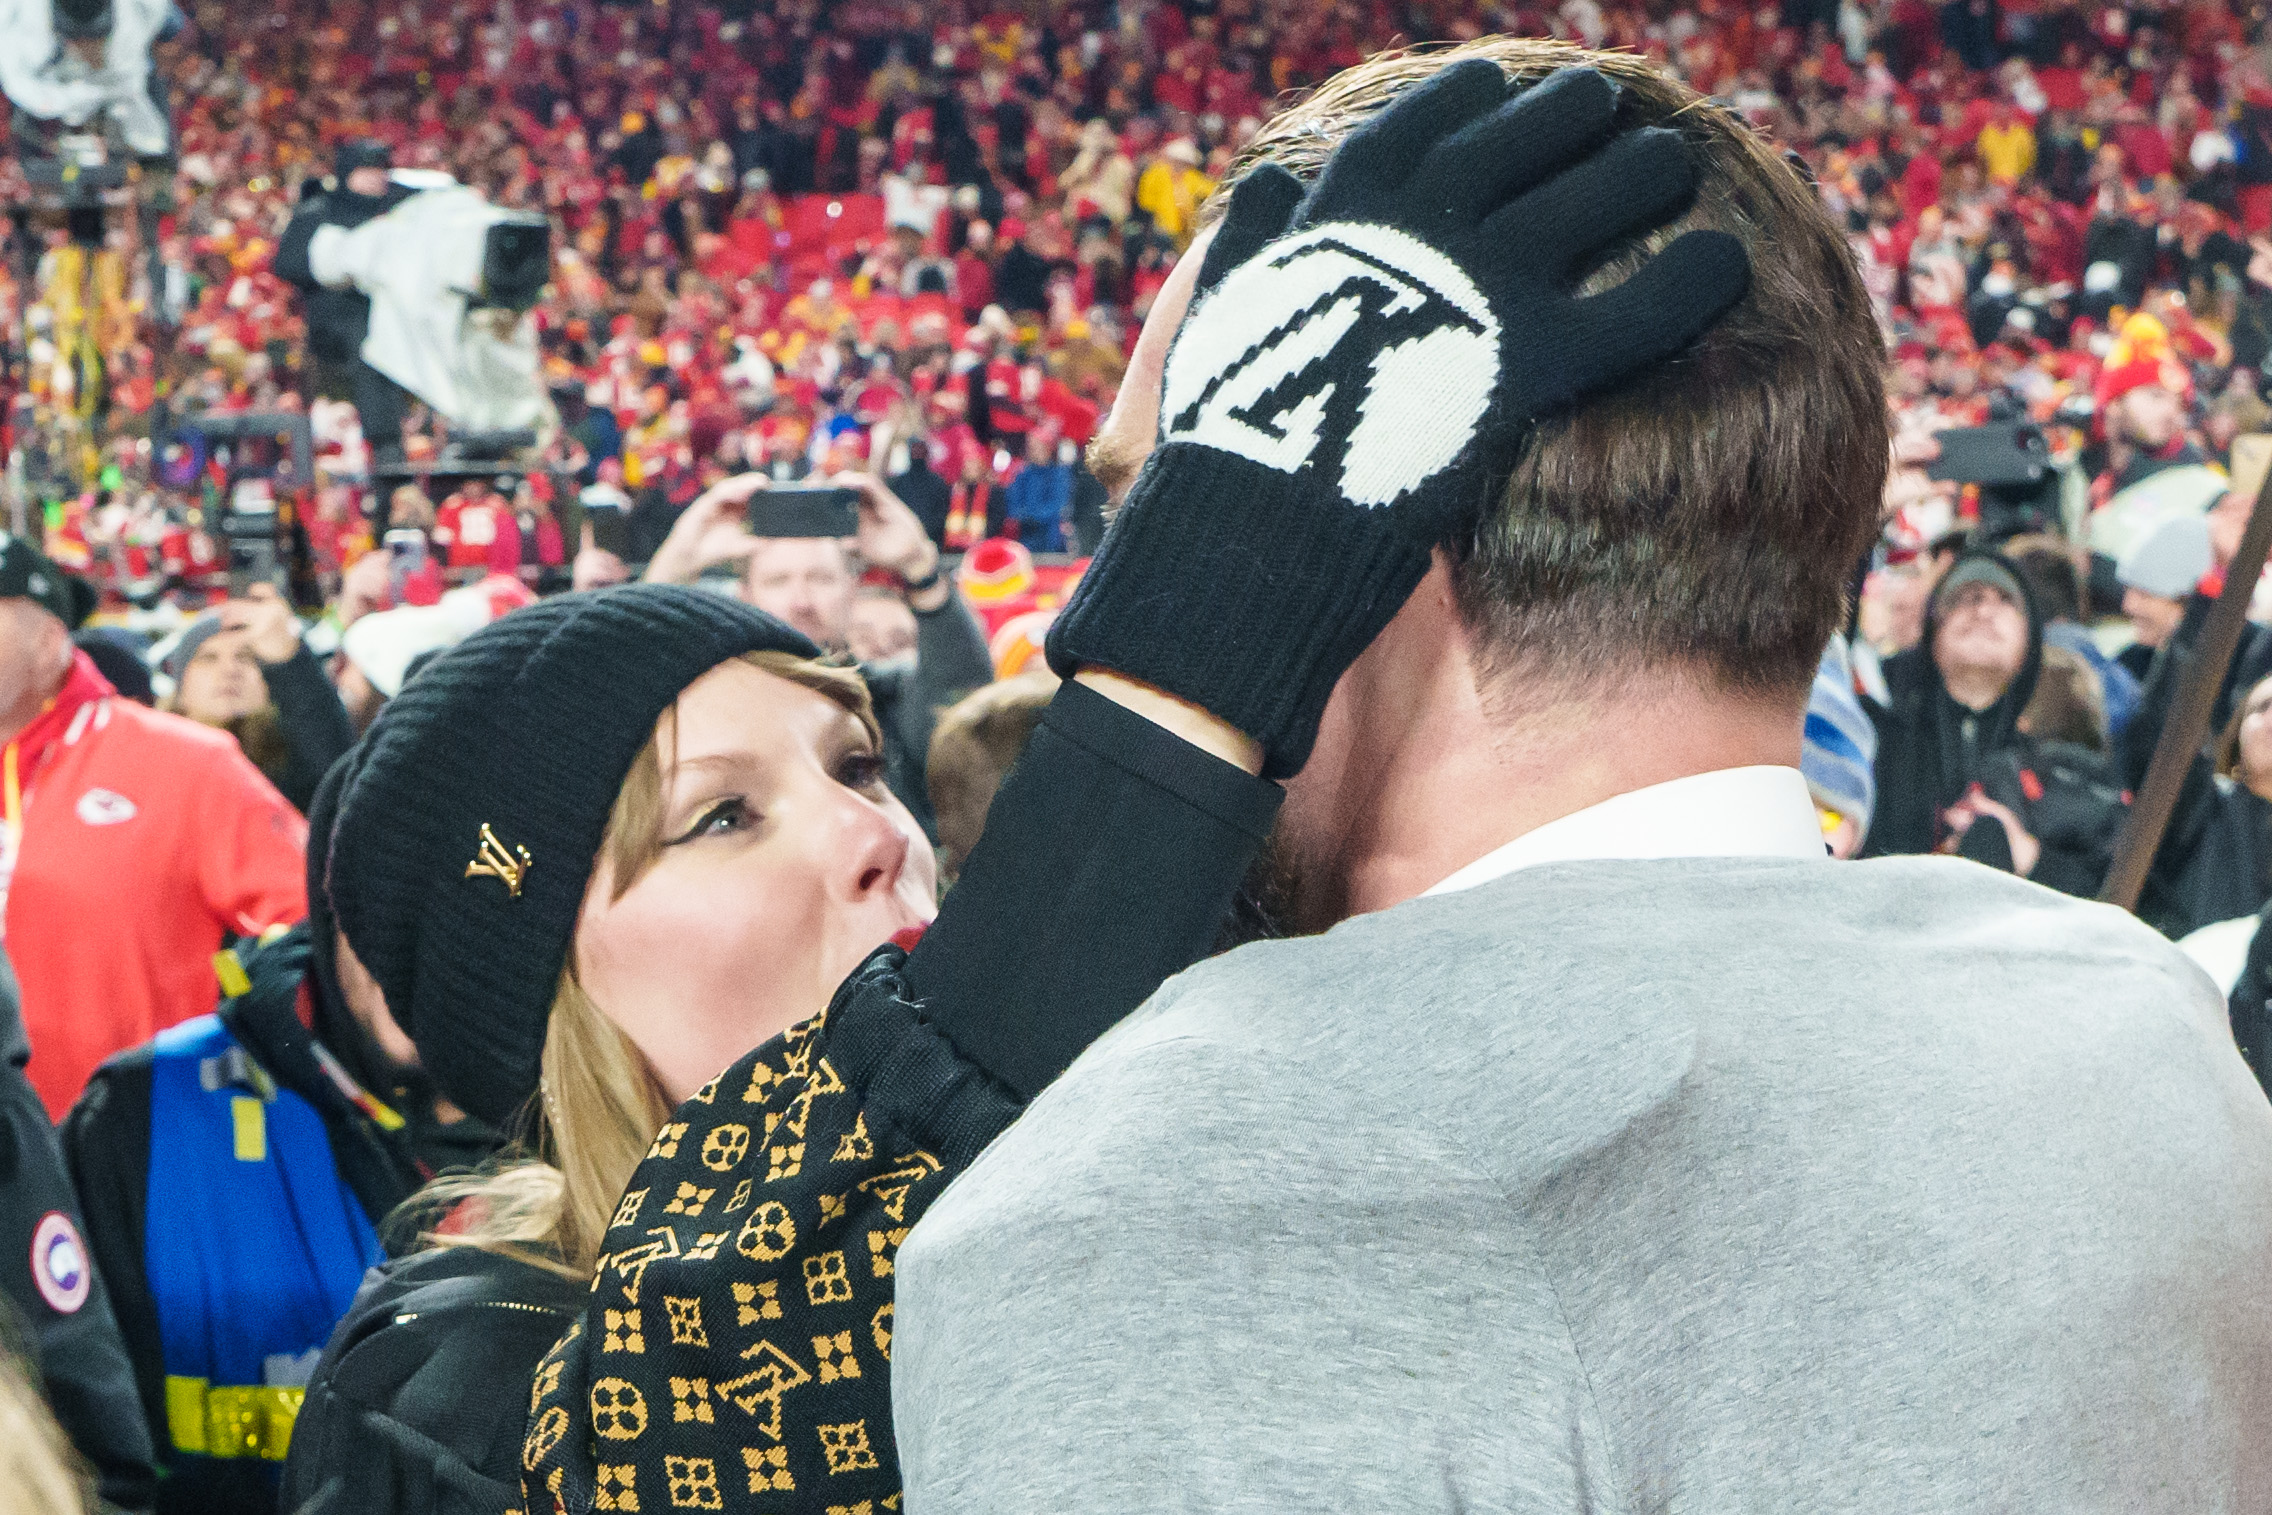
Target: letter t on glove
(1352,393)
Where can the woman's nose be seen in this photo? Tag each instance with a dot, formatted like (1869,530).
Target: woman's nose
(874,854)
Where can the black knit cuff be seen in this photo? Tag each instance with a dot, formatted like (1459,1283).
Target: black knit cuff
(1228,585)
(1150,753)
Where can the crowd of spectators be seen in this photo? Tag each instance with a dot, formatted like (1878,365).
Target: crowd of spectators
(804,237)
(906,249)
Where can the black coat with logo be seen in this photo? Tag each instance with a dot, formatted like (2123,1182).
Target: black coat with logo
(709,1284)
(58,1308)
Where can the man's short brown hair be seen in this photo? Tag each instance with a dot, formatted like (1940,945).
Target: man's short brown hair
(973,748)
(1705,515)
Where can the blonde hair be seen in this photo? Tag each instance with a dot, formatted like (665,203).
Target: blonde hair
(40,1472)
(548,1197)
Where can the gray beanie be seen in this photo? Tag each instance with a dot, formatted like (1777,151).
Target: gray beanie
(2169,560)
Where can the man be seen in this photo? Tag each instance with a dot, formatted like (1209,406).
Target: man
(1955,770)
(238,1174)
(2145,401)
(339,316)
(135,845)
(1040,496)
(1616,1149)
(809,582)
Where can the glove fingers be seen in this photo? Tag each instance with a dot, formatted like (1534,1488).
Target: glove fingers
(1262,203)
(1384,151)
(1671,301)
(1542,130)
(1636,184)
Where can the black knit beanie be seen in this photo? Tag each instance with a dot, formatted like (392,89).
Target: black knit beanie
(469,831)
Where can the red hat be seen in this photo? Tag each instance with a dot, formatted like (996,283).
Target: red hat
(2141,372)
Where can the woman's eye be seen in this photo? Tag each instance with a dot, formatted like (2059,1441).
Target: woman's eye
(860,770)
(718,820)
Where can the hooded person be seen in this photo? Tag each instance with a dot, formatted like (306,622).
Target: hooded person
(239,1173)
(1955,773)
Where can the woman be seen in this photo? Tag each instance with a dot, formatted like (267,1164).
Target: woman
(604,847)
(245,670)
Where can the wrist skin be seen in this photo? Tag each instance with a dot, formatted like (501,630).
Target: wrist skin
(1209,733)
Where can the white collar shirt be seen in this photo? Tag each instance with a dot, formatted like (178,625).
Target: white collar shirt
(1731,812)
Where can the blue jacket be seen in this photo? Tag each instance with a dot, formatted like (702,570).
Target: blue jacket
(253,1245)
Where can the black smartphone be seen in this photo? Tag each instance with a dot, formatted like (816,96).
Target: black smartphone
(2006,454)
(611,529)
(248,527)
(798,511)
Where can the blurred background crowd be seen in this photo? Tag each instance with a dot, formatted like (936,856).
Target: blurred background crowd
(903,250)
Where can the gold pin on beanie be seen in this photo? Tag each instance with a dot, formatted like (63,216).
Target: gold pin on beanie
(468,834)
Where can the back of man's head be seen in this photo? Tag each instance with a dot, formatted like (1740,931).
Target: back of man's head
(1703,518)
(977,741)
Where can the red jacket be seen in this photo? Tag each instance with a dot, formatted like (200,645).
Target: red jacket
(142,841)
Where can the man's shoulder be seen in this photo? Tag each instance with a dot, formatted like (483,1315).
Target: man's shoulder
(176,735)
(176,752)
(1565,1000)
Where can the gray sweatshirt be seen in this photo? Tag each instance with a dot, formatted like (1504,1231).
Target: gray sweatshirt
(1714,1186)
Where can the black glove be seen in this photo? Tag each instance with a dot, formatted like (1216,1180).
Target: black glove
(1355,392)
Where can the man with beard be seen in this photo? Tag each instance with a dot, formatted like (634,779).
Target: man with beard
(1955,773)
(1613,1148)
(238,1175)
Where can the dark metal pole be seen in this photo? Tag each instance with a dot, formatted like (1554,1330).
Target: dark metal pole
(2189,713)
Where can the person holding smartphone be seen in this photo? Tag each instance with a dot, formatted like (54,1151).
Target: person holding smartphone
(807,581)
(245,671)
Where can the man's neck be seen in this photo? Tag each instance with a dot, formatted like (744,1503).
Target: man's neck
(27,708)
(1458,765)
(1975,689)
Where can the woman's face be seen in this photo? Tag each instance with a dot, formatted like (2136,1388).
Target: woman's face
(2255,766)
(222,682)
(785,862)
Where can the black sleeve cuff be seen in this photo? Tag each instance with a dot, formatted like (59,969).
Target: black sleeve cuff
(1150,753)
(1109,862)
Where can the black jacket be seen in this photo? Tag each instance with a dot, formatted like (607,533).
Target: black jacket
(69,1335)
(420,1402)
(2215,859)
(337,318)
(1931,750)
(317,729)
